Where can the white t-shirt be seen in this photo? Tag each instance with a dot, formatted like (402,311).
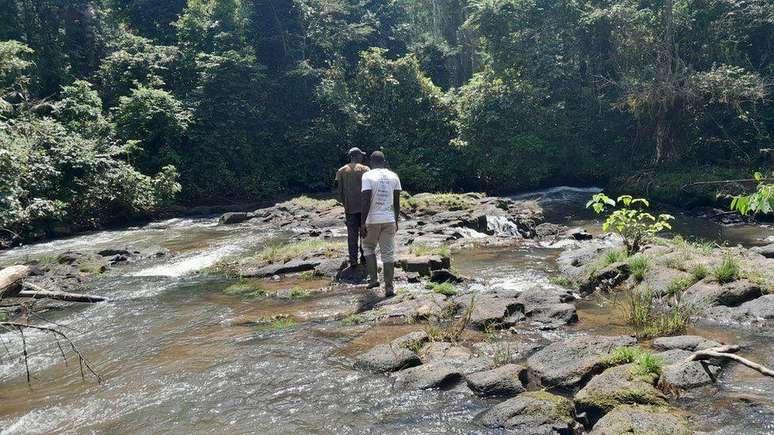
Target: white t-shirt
(382,183)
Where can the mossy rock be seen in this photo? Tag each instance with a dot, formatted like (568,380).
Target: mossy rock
(532,412)
(617,386)
(641,420)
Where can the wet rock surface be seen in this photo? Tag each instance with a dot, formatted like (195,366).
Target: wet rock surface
(568,363)
(641,420)
(534,412)
(617,386)
(386,358)
(506,381)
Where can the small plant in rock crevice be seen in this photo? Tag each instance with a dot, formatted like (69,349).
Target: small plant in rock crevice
(353,319)
(561,281)
(727,271)
(699,272)
(638,266)
(673,319)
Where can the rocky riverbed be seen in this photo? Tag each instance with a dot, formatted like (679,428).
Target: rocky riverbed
(532,357)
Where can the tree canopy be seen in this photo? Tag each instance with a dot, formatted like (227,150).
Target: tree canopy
(113,108)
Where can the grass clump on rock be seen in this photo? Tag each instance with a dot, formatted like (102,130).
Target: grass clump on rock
(644,365)
(727,271)
(277,324)
(422,251)
(561,281)
(446,288)
(282,253)
(246,289)
(699,272)
(353,319)
(638,266)
(639,314)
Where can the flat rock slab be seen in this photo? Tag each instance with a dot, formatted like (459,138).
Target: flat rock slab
(730,294)
(684,342)
(616,386)
(424,265)
(754,312)
(533,412)
(504,381)
(292,266)
(492,310)
(385,358)
(569,362)
(548,305)
(641,420)
(455,356)
(428,376)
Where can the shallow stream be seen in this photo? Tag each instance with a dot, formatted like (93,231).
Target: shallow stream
(176,357)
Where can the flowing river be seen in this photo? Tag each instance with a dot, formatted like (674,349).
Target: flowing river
(173,360)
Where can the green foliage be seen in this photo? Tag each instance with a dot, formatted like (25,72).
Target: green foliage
(699,272)
(632,223)
(245,288)
(727,271)
(279,323)
(446,288)
(613,256)
(638,266)
(671,320)
(353,319)
(762,201)
(561,281)
(646,366)
(679,285)
(297,293)
(421,251)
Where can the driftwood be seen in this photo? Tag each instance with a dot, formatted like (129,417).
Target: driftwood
(12,285)
(36,292)
(11,280)
(727,352)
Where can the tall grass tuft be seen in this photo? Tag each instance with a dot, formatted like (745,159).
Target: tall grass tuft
(727,271)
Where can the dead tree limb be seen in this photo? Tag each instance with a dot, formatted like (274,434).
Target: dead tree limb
(82,360)
(37,292)
(727,353)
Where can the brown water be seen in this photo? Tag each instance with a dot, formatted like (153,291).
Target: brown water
(179,356)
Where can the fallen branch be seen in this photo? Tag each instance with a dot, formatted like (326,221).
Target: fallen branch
(742,180)
(727,353)
(82,361)
(36,292)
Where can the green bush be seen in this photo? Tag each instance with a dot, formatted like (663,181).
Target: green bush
(633,224)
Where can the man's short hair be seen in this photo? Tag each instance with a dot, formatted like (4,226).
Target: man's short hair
(377,157)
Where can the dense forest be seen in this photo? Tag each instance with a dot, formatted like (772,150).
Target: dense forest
(111,109)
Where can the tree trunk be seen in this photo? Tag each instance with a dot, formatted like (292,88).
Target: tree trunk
(36,292)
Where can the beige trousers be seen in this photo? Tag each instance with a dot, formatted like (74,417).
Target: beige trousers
(382,235)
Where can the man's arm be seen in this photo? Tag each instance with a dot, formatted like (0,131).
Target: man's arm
(396,206)
(365,208)
(339,188)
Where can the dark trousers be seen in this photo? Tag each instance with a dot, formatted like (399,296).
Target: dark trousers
(353,235)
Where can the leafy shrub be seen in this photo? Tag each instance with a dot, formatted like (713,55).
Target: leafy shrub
(727,271)
(633,224)
(761,201)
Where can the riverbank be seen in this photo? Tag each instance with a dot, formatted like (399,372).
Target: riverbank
(485,323)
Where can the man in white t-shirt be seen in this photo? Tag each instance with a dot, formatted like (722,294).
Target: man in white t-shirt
(381,210)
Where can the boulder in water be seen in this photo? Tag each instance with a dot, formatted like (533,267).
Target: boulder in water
(432,375)
(683,342)
(616,386)
(507,380)
(533,412)
(569,363)
(232,218)
(385,358)
(641,420)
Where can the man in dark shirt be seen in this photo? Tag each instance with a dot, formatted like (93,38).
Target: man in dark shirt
(348,184)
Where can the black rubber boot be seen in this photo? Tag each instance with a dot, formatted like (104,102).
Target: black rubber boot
(389,274)
(373,271)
